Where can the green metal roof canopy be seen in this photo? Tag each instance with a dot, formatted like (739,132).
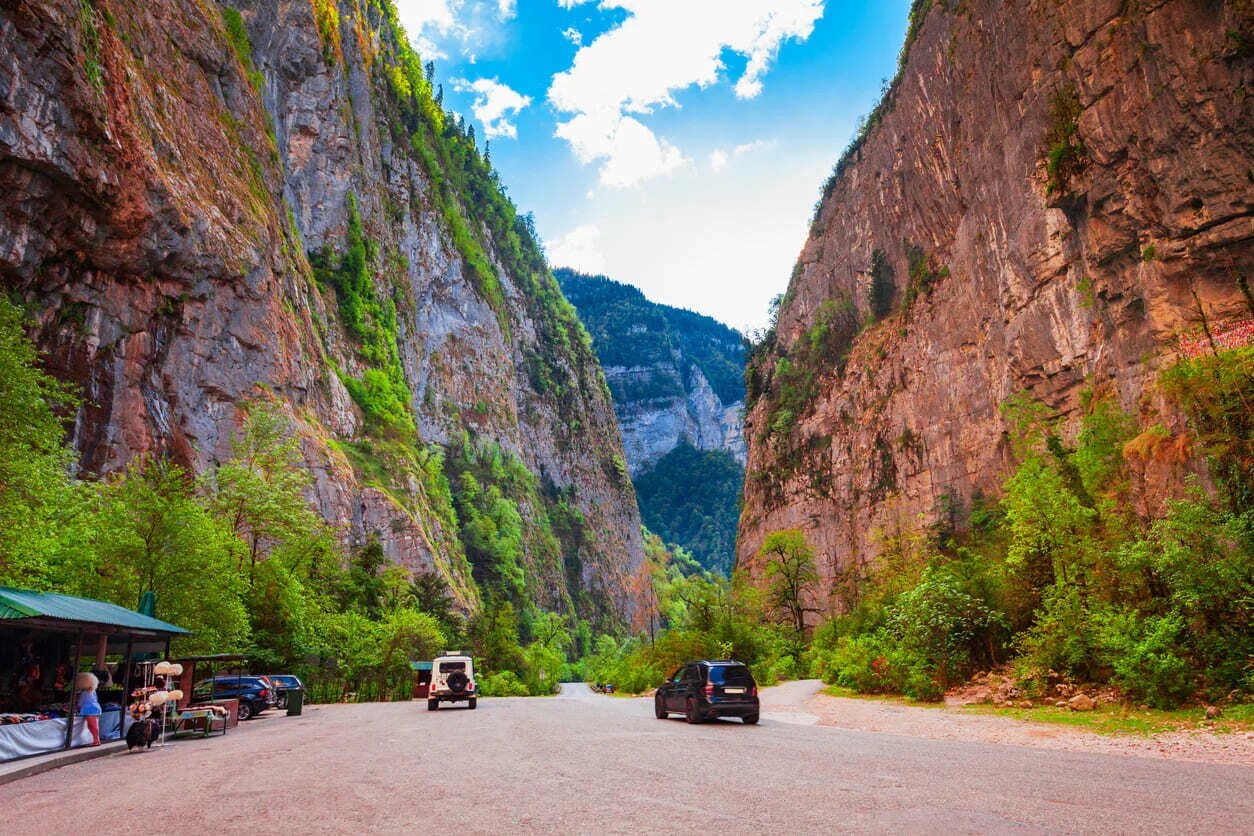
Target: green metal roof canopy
(47,608)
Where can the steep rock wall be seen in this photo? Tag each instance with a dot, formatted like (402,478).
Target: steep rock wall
(159,193)
(1010,274)
(654,427)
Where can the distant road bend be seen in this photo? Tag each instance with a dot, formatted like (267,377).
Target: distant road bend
(586,763)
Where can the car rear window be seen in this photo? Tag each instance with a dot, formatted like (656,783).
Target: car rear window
(730,675)
(447,667)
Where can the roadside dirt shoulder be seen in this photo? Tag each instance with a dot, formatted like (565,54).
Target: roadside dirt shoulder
(941,723)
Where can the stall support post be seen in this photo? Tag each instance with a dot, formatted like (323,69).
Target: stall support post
(126,678)
(69,715)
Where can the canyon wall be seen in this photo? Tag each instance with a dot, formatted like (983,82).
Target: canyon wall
(1050,198)
(188,193)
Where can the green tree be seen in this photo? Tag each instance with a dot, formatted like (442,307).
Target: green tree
(153,533)
(260,492)
(791,575)
(37,499)
(882,287)
(406,635)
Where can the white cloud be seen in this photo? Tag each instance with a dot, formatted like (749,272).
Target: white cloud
(633,153)
(663,47)
(573,35)
(578,249)
(720,157)
(465,26)
(494,106)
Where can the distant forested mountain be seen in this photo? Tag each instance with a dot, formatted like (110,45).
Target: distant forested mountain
(677,379)
(691,497)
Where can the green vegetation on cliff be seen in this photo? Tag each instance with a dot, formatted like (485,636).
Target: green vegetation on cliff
(1060,579)
(523,538)
(480,219)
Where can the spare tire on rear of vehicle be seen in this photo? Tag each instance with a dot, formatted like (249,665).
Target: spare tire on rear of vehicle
(457,682)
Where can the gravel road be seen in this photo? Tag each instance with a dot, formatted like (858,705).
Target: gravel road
(591,764)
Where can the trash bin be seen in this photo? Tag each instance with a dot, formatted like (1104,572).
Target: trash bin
(295,702)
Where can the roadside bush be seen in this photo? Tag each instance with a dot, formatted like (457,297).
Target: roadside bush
(1145,654)
(503,684)
(861,663)
(936,624)
(1061,639)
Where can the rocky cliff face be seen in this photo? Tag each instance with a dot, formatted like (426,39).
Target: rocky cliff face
(656,360)
(654,427)
(168,170)
(1050,196)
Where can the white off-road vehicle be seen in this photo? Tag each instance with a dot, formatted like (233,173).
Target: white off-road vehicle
(452,680)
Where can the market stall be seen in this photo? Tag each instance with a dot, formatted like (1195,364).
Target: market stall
(46,640)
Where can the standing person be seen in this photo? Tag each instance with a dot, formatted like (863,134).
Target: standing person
(89,705)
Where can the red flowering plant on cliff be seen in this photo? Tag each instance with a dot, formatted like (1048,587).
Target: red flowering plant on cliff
(1228,336)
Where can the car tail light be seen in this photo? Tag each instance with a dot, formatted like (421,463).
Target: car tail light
(470,687)
(709,690)
(265,692)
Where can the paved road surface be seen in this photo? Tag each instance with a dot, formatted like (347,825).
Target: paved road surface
(586,763)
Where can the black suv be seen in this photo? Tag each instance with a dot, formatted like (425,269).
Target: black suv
(708,689)
(253,692)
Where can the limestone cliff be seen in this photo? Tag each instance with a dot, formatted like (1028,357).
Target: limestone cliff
(202,205)
(1050,196)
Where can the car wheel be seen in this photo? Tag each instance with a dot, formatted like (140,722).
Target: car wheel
(245,710)
(751,719)
(473,702)
(432,705)
(659,709)
(692,715)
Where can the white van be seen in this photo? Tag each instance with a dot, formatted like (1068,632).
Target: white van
(452,680)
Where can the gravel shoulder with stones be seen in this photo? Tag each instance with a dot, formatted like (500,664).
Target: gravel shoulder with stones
(941,723)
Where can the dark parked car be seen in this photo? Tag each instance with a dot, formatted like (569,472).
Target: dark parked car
(708,689)
(253,692)
(284,684)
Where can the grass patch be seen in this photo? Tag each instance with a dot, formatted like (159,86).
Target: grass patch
(91,45)
(1127,719)
(844,693)
(237,35)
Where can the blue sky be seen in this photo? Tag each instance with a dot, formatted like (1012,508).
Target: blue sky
(677,145)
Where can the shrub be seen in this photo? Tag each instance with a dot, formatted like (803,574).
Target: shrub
(503,684)
(1146,656)
(936,624)
(882,288)
(1066,156)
